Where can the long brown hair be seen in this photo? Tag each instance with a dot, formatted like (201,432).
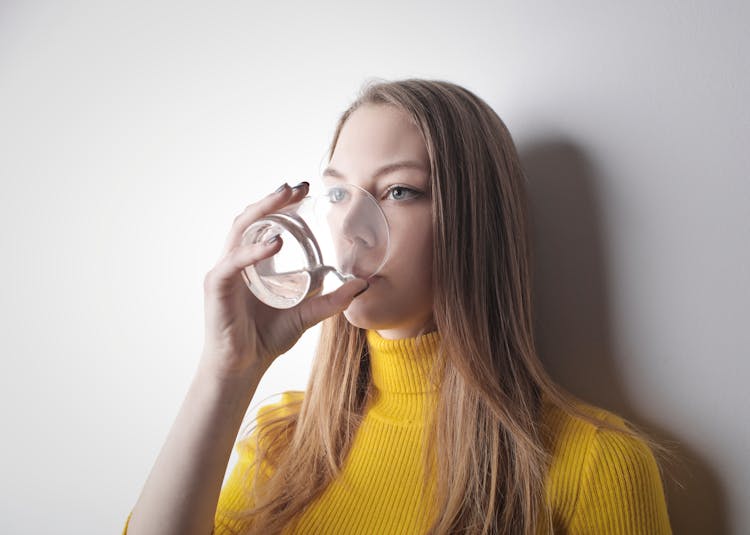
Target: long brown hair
(487,429)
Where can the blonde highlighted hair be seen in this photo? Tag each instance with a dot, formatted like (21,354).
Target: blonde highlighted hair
(487,429)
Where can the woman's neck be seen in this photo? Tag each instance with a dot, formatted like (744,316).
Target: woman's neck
(409,331)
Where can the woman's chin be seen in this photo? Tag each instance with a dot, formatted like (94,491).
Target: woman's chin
(359,315)
(355,315)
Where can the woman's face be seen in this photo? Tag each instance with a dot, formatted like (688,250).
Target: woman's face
(374,139)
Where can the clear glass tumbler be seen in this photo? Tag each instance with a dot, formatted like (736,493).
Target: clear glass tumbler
(327,239)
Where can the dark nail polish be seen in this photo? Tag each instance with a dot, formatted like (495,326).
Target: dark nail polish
(281,188)
(301,184)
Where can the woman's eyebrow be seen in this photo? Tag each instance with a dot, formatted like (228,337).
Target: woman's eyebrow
(391,167)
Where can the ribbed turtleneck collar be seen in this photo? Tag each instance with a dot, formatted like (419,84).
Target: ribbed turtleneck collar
(401,374)
(403,366)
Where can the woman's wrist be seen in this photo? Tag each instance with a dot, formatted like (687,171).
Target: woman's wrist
(221,369)
(229,386)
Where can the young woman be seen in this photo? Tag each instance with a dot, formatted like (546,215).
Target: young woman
(427,410)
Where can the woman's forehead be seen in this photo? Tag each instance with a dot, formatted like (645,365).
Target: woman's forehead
(412,167)
(376,135)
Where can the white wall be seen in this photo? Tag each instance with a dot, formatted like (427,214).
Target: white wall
(132,134)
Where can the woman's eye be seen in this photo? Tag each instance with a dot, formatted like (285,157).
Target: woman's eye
(402,192)
(336,194)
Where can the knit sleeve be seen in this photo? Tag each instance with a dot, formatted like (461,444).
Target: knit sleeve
(235,495)
(621,491)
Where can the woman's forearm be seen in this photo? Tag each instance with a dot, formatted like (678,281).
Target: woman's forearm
(182,490)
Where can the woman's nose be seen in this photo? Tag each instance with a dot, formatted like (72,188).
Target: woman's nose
(360,233)
(356,222)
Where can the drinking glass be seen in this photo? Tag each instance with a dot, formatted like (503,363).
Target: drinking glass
(328,238)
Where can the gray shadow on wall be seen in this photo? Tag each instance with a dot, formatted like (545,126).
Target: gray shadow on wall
(572,321)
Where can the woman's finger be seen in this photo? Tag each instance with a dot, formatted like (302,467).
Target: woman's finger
(252,212)
(319,308)
(271,203)
(238,259)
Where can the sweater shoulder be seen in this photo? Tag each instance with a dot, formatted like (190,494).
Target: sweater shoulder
(267,416)
(569,435)
(564,429)
(569,441)
(601,476)
(288,404)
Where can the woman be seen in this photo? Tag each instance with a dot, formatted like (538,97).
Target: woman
(427,410)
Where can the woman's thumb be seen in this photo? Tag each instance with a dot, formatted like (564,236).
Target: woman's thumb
(319,308)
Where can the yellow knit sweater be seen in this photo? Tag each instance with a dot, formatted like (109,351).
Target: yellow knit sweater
(599,482)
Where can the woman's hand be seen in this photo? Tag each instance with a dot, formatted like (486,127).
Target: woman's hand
(242,333)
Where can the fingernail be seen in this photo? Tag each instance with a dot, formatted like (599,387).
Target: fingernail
(271,240)
(362,290)
(304,183)
(282,188)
